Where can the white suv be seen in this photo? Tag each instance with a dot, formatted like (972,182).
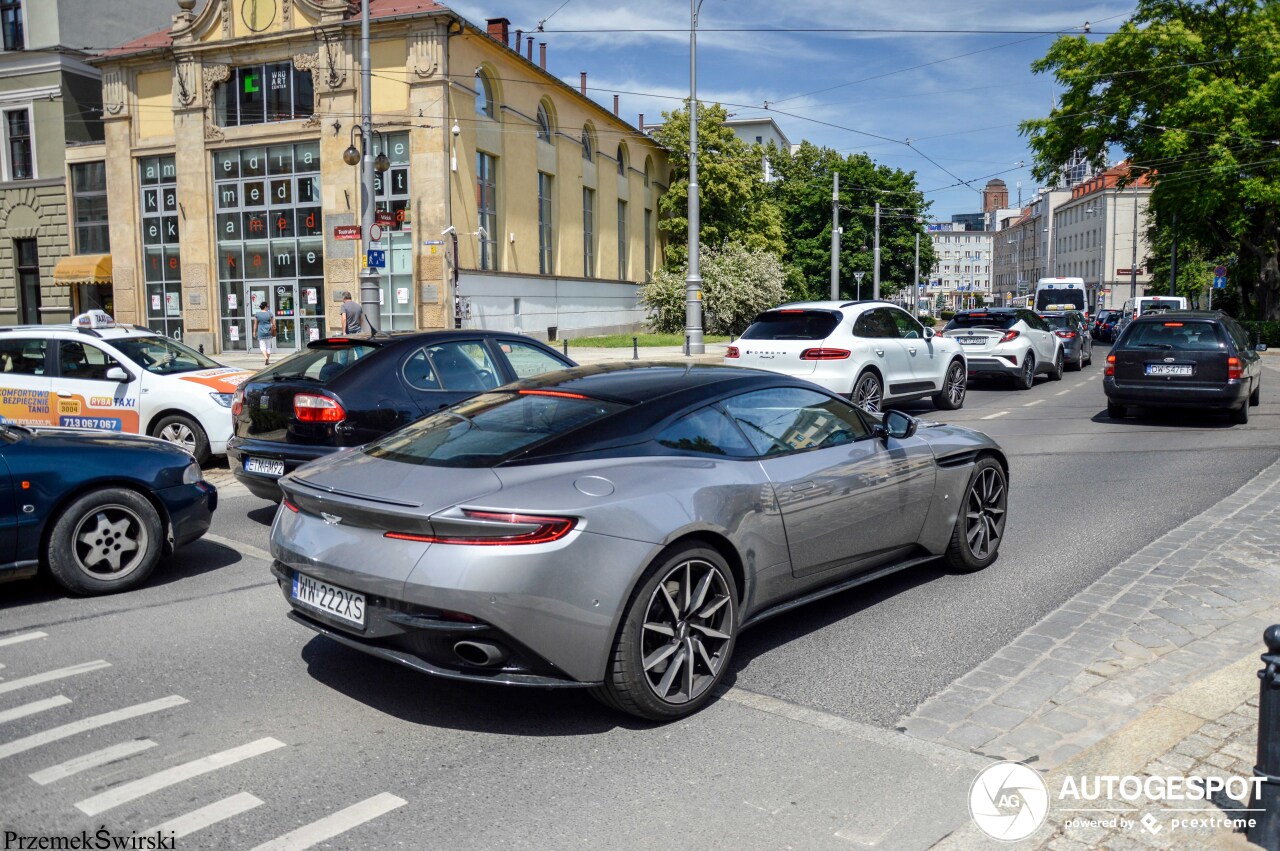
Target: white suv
(1008,341)
(872,352)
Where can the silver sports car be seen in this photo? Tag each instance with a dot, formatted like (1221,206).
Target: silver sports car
(617,526)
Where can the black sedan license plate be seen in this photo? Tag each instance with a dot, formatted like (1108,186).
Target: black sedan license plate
(1168,369)
(266,466)
(330,599)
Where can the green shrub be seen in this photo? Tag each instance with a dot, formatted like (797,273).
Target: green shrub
(947,315)
(1263,332)
(737,284)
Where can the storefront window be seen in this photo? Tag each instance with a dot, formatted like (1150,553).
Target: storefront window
(161,263)
(89,196)
(391,193)
(261,94)
(270,242)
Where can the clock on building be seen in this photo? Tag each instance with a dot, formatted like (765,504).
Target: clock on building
(258,14)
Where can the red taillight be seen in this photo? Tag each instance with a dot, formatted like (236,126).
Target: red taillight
(732,353)
(237,402)
(313,408)
(1010,335)
(1234,369)
(824,354)
(1066,335)
(547,529)
(287,503)
(1111,365)
(561,394)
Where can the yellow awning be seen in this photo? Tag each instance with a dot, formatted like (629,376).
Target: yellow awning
(83,269)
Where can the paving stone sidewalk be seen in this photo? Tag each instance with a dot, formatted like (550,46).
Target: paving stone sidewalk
(1191,603)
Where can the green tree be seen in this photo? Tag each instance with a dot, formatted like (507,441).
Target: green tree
(802,192)
(737,283)
(733,195)
(1189,88)
(939,303)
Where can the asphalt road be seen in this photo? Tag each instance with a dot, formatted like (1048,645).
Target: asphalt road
(277,730)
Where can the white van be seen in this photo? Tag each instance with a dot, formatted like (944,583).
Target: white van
(1061,294)
(1135,307)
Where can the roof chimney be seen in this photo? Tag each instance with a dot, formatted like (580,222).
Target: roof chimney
(499,29)
(529,49)
(582,82)
(615,105)
(542,55)
(519,39)
(640,124)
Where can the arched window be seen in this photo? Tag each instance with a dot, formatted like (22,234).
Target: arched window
(544,123)
(588,149)
(484,94)
(622,160)
(648,170)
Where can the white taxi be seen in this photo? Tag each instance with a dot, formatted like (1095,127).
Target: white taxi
(97,374)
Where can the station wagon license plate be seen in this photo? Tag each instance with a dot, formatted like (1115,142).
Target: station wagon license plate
(266,466)
(336,602)
(1168,369)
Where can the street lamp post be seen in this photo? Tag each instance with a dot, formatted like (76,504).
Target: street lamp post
(693,283)
(369,285)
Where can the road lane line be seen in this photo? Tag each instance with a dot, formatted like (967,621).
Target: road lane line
(56,674)
(143,786)
(1064,392)
(92,723)
(240,547)
(1036,402)
(205,816)
(32,708)
(18,639)
(996,414)
(91,760)
(333,825)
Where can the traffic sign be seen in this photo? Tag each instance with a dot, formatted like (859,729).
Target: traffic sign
(377,258)
(375,232)
(346,232)
(1219,271)
(1219,282)
(384,218)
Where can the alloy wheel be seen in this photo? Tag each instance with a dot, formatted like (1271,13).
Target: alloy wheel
(110,543)
(984,513)
(687,632)
(1029,371)
(955,386)
(867,394)
(180,434)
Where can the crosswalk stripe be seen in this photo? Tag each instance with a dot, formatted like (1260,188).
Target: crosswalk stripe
(32,708)
(56,674)
(203,817)
(91,760)
(143,786)
(36,740)
(335,824)
(18,639)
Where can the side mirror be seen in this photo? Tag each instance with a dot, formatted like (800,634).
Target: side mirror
(1261,347)
(118,374)
(929,333)
(897,425)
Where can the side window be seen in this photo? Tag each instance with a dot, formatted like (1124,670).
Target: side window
(908,328)
(1239,335)
(463,365)
(880,324)
(527,361)
(77,360)
(22,357)
(706,432)
(790,419)
(862,325)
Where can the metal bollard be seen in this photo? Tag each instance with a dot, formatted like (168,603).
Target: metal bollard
(565,345)
(686,345)
(202,348)
(635,349)
(1266,829)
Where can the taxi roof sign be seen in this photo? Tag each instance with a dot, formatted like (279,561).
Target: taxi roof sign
(94,319)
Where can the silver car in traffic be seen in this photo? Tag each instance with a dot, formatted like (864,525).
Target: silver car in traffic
(617,526)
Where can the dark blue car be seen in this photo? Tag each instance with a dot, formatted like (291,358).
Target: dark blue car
(96,509)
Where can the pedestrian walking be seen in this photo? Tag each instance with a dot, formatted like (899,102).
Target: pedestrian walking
(266,328)
(352,314)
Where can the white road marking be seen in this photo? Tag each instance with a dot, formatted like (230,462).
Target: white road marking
(35,740)
(205,816)
(91,760)
(18,639)
(32,708)
(143,786)
(56,674)
(240,547)
(996,414)
(333,825)
(1064,392)
(1036,402)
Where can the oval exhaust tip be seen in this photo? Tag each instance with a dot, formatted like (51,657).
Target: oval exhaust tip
(481,654)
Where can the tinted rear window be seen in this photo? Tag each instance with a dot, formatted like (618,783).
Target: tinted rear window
(1059,299)
(1001,321)
(318,364)
(488,429)
(1057,322)
(1175,336)
(789,325)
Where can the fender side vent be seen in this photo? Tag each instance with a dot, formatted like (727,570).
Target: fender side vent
(958,459)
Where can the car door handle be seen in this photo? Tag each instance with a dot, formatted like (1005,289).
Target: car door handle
(802,486)
(64,394)
(913,351)
(880,352)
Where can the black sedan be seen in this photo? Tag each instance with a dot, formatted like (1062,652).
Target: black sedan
(96,509)
(1184,359)
(347,391)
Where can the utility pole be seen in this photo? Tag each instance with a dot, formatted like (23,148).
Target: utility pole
(915,288)
(1133,260)
(369,282)
(875,274)
(835,238)
(1173,259)
(693,283)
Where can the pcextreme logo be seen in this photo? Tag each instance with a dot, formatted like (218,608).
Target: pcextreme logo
(1008,801)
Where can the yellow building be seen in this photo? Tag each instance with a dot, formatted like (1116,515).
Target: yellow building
(510,201)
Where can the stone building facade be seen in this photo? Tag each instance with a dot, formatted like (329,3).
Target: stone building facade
(510,199)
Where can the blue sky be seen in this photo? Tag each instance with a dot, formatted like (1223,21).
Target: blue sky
(957,97)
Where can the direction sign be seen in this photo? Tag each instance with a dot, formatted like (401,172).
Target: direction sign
(384,218)
(1219,282)
(377,258)
(1219,271)
(346,232)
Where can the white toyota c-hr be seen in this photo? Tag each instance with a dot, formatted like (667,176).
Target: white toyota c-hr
(873,352)
(1007,341)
